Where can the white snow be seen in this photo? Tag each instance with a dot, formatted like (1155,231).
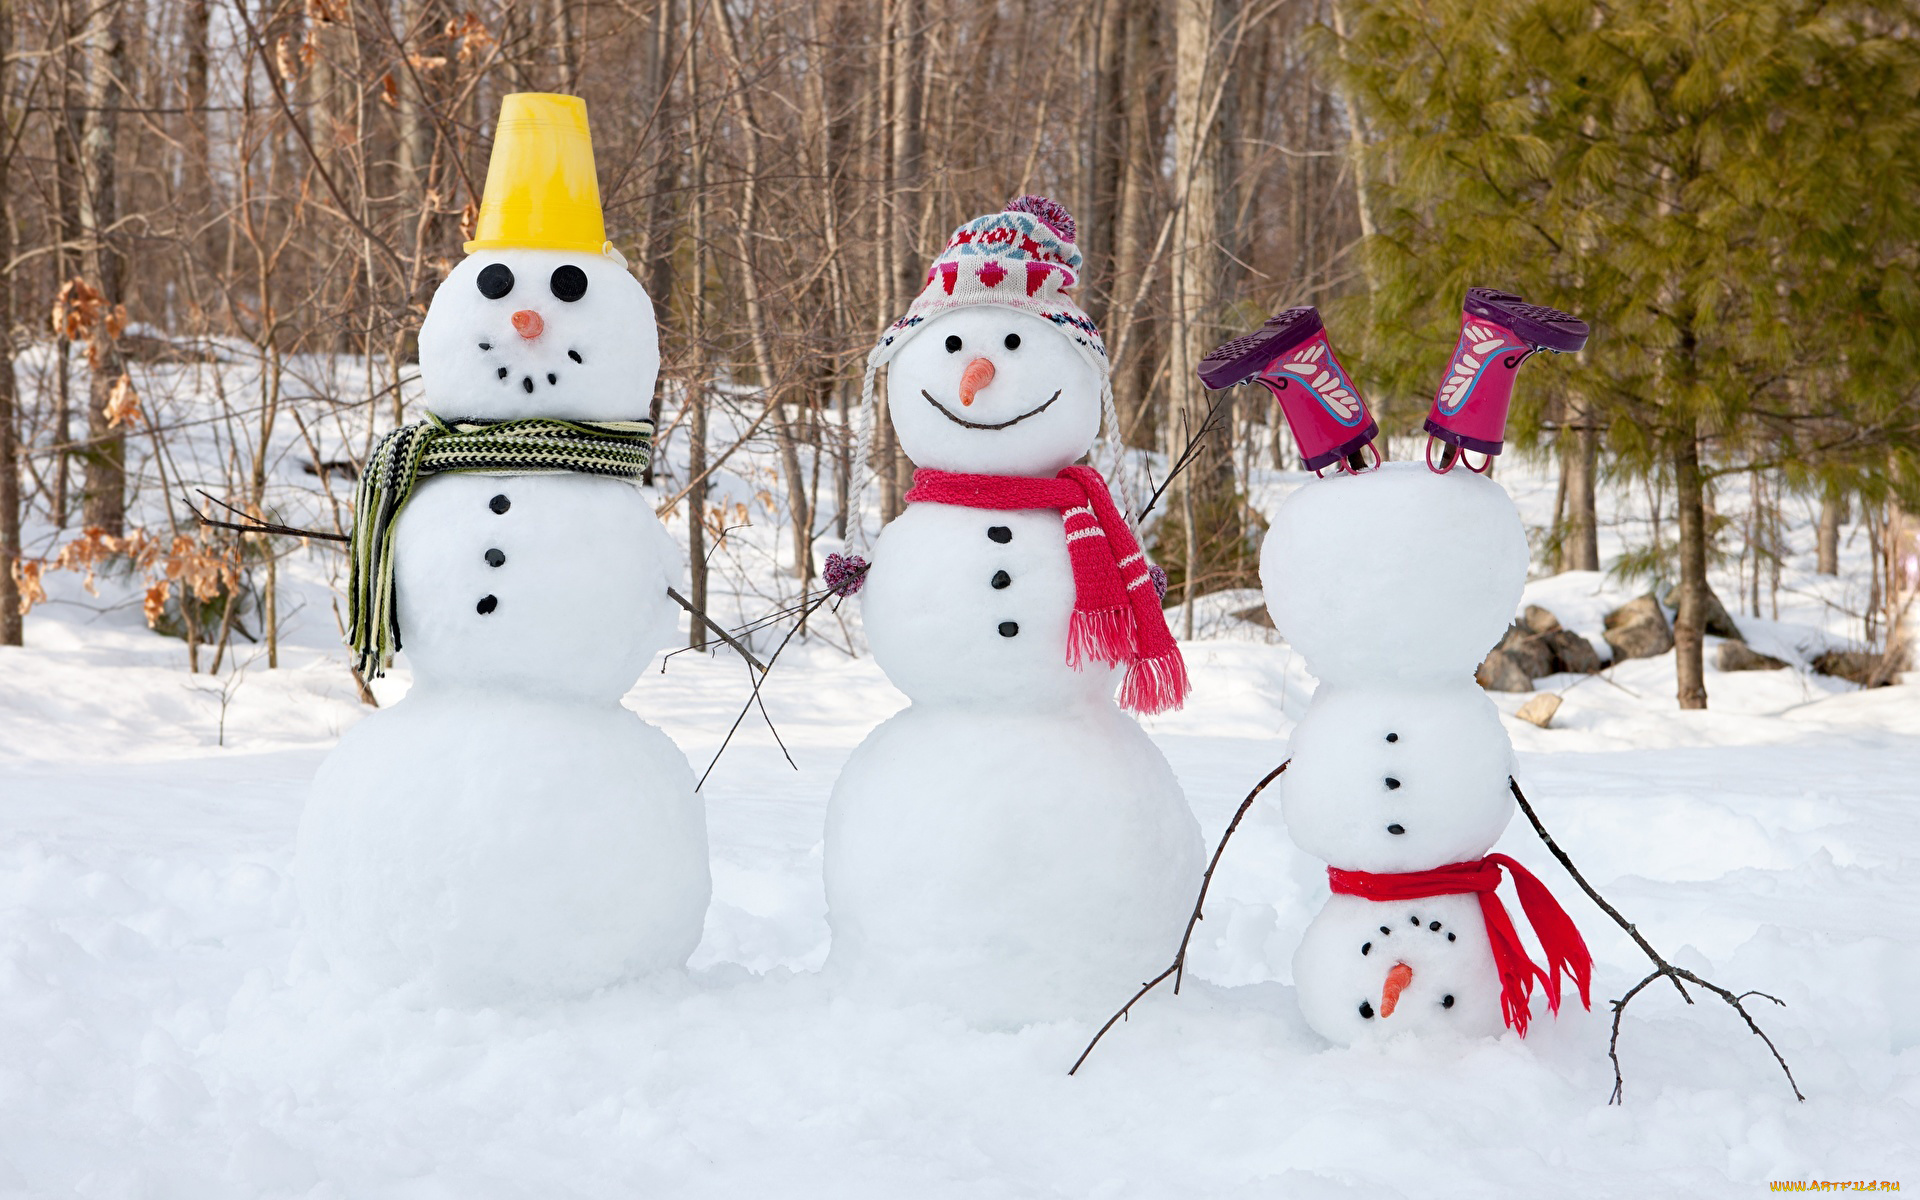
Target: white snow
(162,1035)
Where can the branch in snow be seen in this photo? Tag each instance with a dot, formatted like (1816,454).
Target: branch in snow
(1179,967)
(1662,967)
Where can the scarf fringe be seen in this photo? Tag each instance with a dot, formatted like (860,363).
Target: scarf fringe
(1155,685)
(1105,635)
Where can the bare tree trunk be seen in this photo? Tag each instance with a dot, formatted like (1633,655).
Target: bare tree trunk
(834,95)
(1106,128)
(1900,555)
(659,266)
(10,622)
(1833,514)
(1134,223)
(696,386)
(1356,149)
(1580,536)
(1690,621)
(67,237)
(105,502)
(905,51)
(746,225)
(1209,517)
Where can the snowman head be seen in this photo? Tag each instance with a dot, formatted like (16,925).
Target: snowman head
(994,369)
(541,319)
(516,332)
(993,391)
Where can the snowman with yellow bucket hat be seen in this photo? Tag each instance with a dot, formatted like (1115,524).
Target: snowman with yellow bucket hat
(508,829)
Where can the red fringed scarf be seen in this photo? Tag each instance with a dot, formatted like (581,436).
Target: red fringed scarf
(1565,950)
(1116,613)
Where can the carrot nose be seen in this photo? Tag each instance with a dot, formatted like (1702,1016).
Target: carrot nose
(979,373)
(527,324)
(1397,981)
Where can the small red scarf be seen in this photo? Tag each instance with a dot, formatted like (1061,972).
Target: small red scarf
(1565,950)
(1116,612)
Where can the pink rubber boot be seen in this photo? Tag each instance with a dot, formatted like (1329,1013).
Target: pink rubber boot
(1498,332)
(1290,355)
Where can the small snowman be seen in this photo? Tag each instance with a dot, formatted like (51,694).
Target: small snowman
(1012,844)
(509,830)
(1393,583)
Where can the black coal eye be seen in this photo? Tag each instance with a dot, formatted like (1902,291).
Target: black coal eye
(953,344)
(568,283)
(495,280)
(1013,341)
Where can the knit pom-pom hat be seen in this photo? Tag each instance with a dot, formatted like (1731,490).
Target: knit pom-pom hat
(1023,258)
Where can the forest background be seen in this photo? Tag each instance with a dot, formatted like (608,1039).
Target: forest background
(1729,192)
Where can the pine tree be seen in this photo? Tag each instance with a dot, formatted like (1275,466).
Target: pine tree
(1727,190)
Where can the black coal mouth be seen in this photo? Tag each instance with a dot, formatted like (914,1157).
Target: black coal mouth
(957,419)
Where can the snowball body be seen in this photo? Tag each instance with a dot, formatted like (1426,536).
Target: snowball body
(1441,780)
(1013,864)
(934,617)
(495,847)
(580,596)
(1395,574)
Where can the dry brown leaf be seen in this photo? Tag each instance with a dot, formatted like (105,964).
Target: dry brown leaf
(155,604)
(75,308)
(286,58)
(123,403)
(472,35)
(26,577)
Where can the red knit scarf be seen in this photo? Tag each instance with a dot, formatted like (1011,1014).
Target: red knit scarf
(1565,951)
(1116,612)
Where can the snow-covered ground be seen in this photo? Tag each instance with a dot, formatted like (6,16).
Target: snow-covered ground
(163,1033)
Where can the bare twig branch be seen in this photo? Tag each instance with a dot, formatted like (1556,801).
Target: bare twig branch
(1178,967)
(1661,966)
(1189,454)
(718,629)
(254,525)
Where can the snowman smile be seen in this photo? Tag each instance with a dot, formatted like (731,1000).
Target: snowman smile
(527,376)
(957,419)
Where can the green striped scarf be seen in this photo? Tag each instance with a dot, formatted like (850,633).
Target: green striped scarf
(530,446)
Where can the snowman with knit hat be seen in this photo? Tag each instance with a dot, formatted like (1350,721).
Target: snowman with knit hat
(1011,845)
(509,830)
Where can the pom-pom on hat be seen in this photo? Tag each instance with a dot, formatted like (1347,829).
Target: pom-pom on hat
(1023,258)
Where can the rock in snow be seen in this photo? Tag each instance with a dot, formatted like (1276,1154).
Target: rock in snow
(1539,710)
(1639,629)
(1738,656)
(1501,672)
(1719,620)
(1530,651)
(1573,652)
